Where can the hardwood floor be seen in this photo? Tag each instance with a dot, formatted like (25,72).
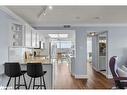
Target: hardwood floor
(97,81)
(64,80)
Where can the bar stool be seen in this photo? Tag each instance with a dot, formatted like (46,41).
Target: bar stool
(35,70)
(13,70)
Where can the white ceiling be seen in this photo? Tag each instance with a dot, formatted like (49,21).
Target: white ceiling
(61,15)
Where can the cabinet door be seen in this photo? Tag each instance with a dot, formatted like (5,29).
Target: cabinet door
(33,39)
(28,37)
(16,34)
(37,40)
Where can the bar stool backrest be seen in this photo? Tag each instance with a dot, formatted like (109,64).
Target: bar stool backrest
(12,69)
(34,69)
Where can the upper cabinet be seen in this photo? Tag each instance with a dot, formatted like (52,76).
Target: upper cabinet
(28,36)
(38,39)
(16,34)
(23,36)
(33,39)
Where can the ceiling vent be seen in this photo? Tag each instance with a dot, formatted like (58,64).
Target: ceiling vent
(67,26)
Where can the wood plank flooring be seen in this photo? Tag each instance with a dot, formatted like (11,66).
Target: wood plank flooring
(64,80)
(96,80)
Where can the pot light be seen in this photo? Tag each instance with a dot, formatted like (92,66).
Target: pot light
(50,7)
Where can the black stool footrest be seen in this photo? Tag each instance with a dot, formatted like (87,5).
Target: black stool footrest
(20,85)
(39,85)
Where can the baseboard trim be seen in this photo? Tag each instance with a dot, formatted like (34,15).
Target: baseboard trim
(81,76)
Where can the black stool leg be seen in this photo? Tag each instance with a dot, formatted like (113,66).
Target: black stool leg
(24,81)
(19,82)
(44,83)
(30,83)
(33,83)
(40,82)
(8,82)
(15,83)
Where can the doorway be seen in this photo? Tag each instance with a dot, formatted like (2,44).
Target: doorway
(97,53)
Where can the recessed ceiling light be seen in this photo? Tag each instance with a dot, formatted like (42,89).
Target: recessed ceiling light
(50,7)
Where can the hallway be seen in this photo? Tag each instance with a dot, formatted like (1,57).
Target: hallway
(64,80)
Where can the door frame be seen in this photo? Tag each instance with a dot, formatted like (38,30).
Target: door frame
(106,51)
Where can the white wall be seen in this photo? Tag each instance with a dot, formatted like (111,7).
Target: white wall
(4,38)
(117,44)
(81,54)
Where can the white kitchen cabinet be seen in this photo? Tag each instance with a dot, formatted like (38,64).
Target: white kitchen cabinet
(22,35)
(16,34)
(33,39)
(28,36)
(37,40)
